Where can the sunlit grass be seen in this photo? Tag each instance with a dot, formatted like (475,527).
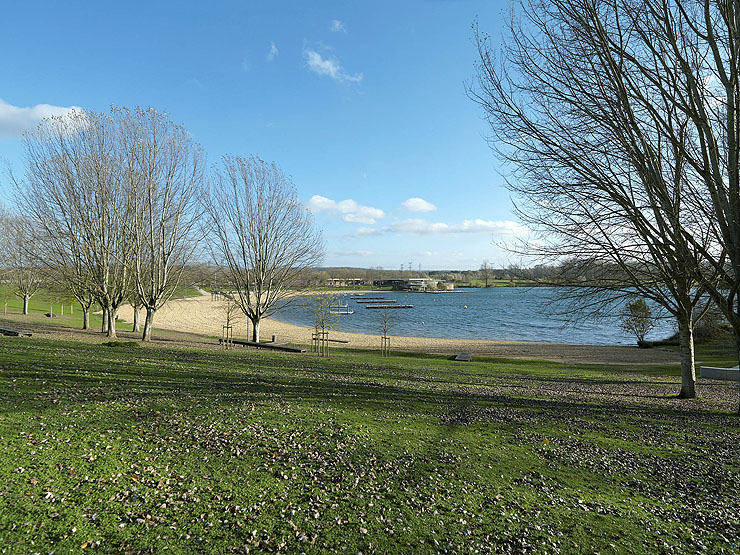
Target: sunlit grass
(125,447)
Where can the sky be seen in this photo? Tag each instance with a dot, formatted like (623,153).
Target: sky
(363,104)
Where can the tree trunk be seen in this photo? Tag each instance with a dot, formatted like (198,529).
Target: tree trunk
(85,317)
(136,326)
(256,329)
(147,335)
(112,323)
(104,324)
(686,346)
(25,304)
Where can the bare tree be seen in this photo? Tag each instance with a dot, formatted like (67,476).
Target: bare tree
(135,303)
(637,318)
(324,309)
(386,321)
(23,259)
(163,169)
(47,198)
(599,157)
(76,197)
(263,235)
(691,61)
(4,235)
(231,311)
(485,269)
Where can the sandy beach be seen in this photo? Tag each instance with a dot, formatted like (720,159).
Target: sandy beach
(201,315)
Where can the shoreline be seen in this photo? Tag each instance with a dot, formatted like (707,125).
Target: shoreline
(201,315)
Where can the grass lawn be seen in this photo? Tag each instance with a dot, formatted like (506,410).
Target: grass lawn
(46,299)
(130,448)
(66,310)
(498,283)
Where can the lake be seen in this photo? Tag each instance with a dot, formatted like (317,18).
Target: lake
(500,313)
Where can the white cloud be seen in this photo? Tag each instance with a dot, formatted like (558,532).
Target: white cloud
(368,231)
(366,216)
(317,204)
(273,53)
(353,253)
(416,204)
(419,227)
(423,227)
(351,211)
(328,67)
(14,120)
(337,26)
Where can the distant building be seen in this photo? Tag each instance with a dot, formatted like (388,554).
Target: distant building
(415,284)
(346,282)
(396,283)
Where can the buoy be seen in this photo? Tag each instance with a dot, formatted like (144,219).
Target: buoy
(466,306)
(422,323)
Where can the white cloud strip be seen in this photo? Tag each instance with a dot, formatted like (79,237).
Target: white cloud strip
(416,204)
(350,211)
(14,120)
(423,227)
(328,67)
(353,253)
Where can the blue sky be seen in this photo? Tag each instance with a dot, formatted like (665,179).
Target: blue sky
(362,103)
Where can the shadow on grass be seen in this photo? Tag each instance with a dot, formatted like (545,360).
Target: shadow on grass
(77,372)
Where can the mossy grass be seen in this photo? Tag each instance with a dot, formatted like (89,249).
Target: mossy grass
(125,449)
(59,301)
(66,311)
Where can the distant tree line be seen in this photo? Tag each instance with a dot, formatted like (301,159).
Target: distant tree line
(320,276)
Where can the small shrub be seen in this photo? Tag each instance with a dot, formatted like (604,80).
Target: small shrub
(121,344)
(637,318)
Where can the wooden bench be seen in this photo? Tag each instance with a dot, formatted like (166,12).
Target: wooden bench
(273,346)
(464,356)
(13,332)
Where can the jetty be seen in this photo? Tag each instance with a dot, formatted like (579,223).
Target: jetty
(340,309)
(377,301)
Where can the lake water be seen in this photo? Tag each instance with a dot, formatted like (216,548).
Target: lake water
(500,313)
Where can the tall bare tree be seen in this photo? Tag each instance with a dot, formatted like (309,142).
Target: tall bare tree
(163,169)
(76,195)
(691,62)
(46,200)
(599,157)
(264,237)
